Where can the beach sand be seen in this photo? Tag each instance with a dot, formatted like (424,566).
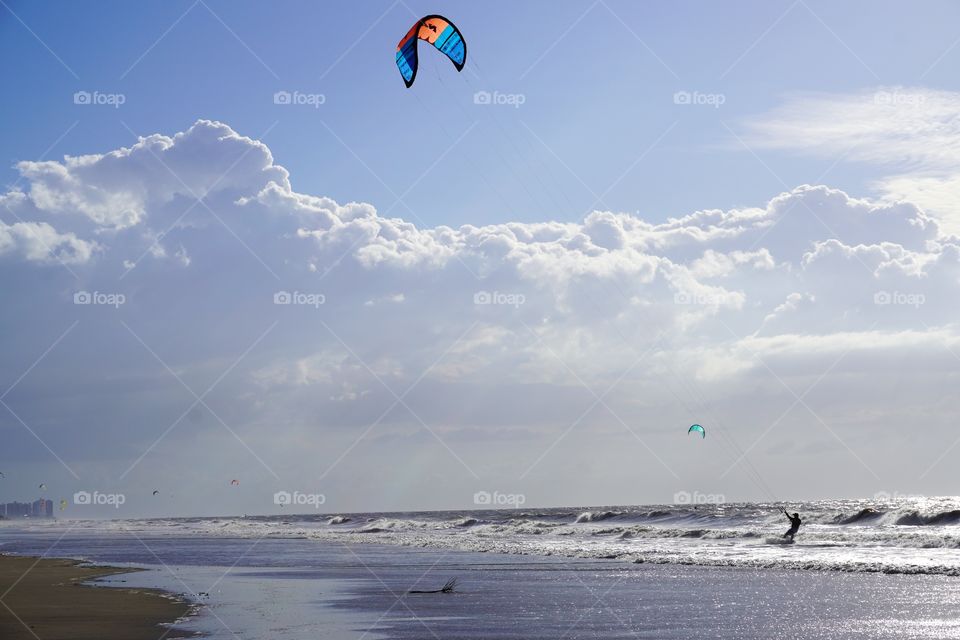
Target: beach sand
(298,588)
(43,598)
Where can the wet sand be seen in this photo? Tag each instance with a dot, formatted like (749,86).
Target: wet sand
(44,598)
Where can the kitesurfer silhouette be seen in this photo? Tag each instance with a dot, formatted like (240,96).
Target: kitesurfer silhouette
(795,523)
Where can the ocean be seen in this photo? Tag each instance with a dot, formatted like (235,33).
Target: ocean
(858,569)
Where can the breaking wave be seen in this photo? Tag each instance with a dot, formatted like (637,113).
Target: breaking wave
(906,536)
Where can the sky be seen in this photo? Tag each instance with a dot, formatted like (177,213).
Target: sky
(528,278)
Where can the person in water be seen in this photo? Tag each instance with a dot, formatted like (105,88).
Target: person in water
(794,524)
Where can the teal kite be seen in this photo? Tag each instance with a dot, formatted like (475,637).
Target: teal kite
(697,429)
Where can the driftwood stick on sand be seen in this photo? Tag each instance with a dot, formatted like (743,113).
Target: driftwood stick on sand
(448,587)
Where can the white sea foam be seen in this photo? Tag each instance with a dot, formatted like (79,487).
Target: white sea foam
(906,536)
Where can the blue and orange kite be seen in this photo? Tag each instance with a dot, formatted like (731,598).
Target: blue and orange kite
(439,32)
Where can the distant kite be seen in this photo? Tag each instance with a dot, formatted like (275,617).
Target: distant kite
(439,32)
(235,483)
(43,487)
(697,429)
(63,504)
(155,492)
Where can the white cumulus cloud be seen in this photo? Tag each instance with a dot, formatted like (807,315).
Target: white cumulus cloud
(387,327)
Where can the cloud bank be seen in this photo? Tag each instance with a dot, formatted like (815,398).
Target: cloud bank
(910,132)
(256,330)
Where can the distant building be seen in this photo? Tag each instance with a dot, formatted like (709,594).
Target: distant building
(41,508)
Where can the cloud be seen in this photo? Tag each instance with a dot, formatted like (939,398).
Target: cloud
(119,189)
(427,337)
(911,132)
(39,242)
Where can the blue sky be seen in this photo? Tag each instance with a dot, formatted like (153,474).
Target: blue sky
(737,214)
(599,97)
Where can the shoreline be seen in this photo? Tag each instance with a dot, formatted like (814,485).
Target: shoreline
(302,589)
(51,598)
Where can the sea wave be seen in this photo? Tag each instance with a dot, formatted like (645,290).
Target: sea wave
(909,536)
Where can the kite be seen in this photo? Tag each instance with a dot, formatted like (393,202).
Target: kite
(42,487)
(439,32)
(697,429)
(155,492)
(63,504)
(235,483)
(1,475)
